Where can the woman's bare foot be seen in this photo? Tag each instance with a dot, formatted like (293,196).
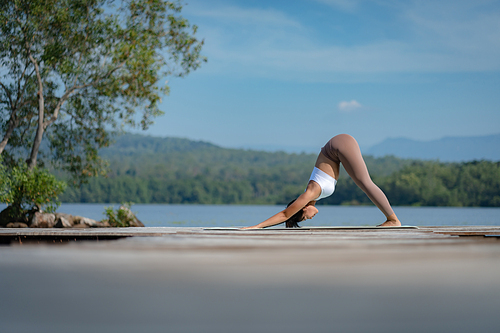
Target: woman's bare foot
(392,221)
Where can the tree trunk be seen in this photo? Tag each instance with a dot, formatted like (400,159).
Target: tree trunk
(41,109)
(12,125)
(39,133)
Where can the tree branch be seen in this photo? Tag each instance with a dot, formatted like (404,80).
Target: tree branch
(13,122)
(20,91)
(41,109)
(14,107)
(7,92)
(68,92)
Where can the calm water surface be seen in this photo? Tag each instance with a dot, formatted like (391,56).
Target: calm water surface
(156,215)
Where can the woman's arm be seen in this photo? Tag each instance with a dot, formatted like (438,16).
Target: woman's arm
(306,197)
(273,220)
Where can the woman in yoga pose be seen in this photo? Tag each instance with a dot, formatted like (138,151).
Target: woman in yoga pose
(344,149)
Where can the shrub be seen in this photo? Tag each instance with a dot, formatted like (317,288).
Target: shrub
(26,190)
(4,181)
(121,218)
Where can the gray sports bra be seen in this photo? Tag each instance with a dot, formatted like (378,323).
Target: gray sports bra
(325,181)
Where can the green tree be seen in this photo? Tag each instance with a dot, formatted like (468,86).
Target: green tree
(72,71)
(27,191)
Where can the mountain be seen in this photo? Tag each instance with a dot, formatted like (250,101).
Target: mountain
(145,169)
(447,149)
(138,144)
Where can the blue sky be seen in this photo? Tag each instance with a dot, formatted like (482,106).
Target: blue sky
(291,74)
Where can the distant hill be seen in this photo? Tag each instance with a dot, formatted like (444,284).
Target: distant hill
(447,149)
(137,144)
(130,150)
(145,169)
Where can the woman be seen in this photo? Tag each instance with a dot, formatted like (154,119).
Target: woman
(344,149)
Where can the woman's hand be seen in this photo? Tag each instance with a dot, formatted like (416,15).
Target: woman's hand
(312,191)
(252,227)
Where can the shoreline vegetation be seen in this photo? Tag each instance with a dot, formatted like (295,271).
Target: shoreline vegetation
(153,170)
(145,169)
(122,217)
(73,74)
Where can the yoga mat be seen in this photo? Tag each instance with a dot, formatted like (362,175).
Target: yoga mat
(318,228)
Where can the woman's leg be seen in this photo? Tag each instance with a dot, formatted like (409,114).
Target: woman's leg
(350,156)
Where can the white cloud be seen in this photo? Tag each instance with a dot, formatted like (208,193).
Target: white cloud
(345,106)
(442,36)
(246,16)
(345,5)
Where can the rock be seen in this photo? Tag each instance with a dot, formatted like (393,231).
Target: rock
(85,221)
(133,220)
(43,220)
(38,219)
(103,224)
(62,222)
(16,225)
(5,216)
(81,226)
(68,217)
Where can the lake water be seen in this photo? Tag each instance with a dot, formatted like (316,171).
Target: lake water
(157,215)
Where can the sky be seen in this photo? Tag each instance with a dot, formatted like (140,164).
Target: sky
(289,75)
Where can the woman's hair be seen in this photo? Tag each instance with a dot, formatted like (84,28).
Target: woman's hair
(293,221)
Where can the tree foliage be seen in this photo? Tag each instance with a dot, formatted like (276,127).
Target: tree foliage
(28,190)
(121,218)
(71,70)
(427,183)
(168,170)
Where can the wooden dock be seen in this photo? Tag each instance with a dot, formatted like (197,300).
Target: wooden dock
(430,279)
(337,233)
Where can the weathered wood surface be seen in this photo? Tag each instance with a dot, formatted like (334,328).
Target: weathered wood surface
(158,231)
(431,279)
(304,235)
